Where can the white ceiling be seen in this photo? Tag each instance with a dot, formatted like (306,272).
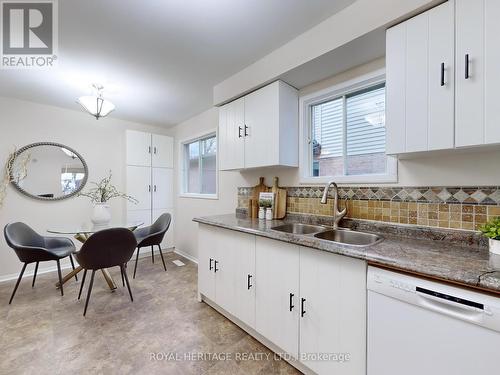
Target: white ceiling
(159,60)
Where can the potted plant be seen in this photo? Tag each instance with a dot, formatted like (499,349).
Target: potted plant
(100,195)
(263,204)
(492,230)
(266,211)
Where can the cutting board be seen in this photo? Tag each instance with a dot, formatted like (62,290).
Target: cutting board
(260,188)
(279,200)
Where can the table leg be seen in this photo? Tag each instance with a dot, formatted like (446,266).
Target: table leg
(111,283)
(69,276)
(109,279)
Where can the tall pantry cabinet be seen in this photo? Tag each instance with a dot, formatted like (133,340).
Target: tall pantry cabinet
(150,163)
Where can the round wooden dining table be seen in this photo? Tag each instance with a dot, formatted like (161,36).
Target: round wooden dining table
(82,233)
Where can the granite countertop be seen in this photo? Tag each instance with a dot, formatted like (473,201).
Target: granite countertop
(447,257)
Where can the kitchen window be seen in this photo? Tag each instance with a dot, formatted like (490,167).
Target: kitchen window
(199,169)
(344,135)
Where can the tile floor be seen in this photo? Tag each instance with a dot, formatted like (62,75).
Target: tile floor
(44,333)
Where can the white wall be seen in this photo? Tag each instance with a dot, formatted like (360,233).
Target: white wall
(102,145)
(448,169)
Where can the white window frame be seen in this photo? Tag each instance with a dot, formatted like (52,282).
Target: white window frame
(305,131)
(182,167)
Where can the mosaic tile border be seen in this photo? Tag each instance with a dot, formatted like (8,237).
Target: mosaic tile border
(486,195)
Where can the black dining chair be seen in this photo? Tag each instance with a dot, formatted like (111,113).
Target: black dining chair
(152,236)
(30,247)
(105,249)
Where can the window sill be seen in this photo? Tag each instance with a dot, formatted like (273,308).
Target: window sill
(361,179)
(199,196)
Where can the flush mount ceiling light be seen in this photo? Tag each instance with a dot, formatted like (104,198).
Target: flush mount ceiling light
(95,104)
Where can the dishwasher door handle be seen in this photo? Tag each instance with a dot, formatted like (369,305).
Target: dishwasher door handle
(450,308)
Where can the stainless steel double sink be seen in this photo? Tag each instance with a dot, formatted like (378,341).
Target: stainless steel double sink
(340,235)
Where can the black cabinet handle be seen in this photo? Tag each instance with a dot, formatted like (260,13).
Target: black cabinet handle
(239,131)
(149,188)
(291,301)
(210,267)
(248,282)
(442,74)
(467,66)
(302,303)
(246,133)
(149,149)
(154,150)
(154,189)
(215,268)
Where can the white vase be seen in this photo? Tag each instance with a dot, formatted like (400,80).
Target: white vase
(262,213)
(495,246)
(101,214)
(269,214)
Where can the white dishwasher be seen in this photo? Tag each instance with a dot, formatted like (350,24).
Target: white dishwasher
(416,327)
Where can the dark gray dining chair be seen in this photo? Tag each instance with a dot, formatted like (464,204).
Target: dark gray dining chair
(105,249)
(152,236)
(30,247)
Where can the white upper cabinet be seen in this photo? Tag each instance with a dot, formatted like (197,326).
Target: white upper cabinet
(491,71)
(231,135)
(478,75)
(470,72)
(146,149)
(441,77)
(260,129)
(162,151)
(395,123)
(138,148)
(420,82)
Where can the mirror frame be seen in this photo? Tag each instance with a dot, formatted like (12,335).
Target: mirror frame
(33,145)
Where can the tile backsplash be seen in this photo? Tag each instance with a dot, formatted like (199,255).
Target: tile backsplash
(445,207)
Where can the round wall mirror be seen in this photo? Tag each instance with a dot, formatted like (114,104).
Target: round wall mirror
(48,171)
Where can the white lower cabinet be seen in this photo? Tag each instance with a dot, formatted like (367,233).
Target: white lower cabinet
(226,271)
(309,304)
(333,313)
(207,248)
(277,294)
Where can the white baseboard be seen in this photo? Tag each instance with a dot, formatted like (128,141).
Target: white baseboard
(14,276)
(185,255)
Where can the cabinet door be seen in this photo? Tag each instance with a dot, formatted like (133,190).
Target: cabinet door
(396,89)
(163,188)
(168,240)
(138,148)
(262,127)
(333,288)
(469,106)
(207,245)
(139,187)
(491,71)
(417,98)
(441,77)
(231,135)
(244,245)
(225,270)
(163,151)
(277,293)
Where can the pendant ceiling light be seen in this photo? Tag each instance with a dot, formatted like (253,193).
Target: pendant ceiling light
(95,104)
